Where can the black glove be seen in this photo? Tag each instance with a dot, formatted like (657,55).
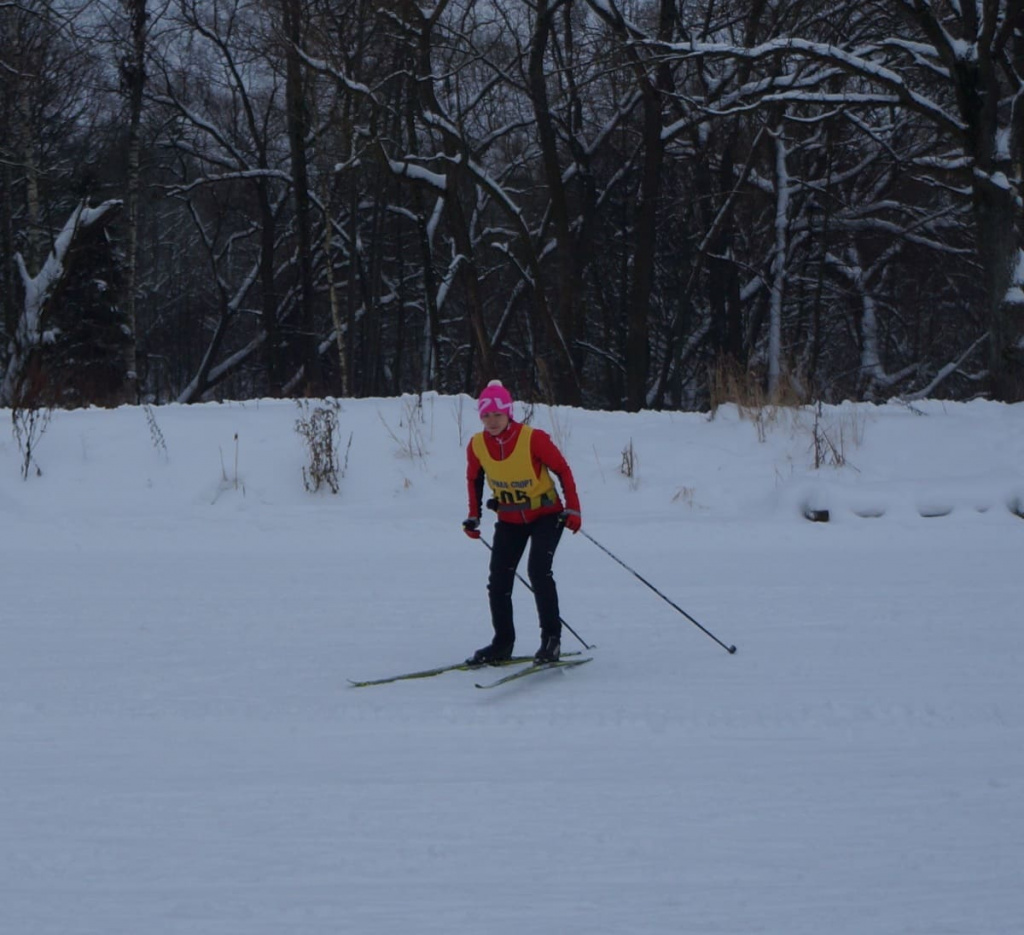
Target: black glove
(471,527)
(493,504)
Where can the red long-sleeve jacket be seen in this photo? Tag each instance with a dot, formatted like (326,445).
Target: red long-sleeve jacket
(543,451)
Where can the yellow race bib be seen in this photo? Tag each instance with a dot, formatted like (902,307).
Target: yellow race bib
(513,481)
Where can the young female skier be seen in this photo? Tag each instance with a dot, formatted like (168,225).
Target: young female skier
(517,462)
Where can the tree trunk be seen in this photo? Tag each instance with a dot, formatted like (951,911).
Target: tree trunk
(1000,257)
(40,290)
(561,333)
(298,128)
(133,74)
(646,225)
(9,274)
(982,92)
(268,289)
(778,265)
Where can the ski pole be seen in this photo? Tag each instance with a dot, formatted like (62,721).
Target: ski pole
(527,583)
(728,649)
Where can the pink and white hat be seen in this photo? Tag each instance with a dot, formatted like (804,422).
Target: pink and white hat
(495,398)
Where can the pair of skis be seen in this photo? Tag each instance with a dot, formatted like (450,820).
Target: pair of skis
(535,667)
(568,661)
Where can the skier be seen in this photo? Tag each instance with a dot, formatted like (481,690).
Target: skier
(518,461)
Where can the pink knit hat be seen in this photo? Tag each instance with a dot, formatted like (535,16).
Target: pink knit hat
(495,398)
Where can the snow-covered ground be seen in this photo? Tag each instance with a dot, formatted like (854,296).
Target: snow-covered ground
(180,751)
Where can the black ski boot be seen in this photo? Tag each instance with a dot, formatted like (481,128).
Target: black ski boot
(550,650)
(492,654)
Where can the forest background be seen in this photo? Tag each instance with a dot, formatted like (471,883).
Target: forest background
(652,203)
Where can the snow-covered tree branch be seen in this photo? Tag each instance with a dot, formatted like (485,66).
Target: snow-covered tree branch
(39,291)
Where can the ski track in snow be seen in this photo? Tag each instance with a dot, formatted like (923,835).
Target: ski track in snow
(180,751)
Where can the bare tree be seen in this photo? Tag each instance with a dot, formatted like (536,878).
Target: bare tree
(298,121)
(233,178)
(966,99)
(600,201)
(133,79)
(25,380)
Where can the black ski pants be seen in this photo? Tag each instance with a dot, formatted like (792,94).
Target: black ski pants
(510,541)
